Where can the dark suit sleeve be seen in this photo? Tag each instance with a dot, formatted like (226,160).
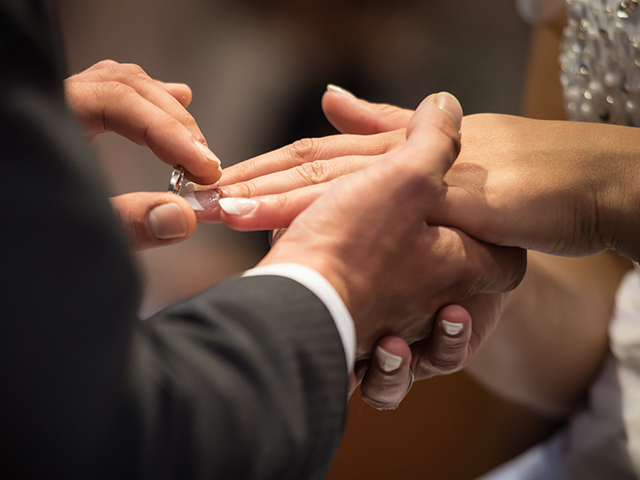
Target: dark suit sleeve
(247,380)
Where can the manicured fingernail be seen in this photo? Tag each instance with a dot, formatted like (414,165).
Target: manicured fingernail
(206,153)
(167,221)
(335,88)
(203,200)
(237,206)
(387,361)
(451,106)
(452,329)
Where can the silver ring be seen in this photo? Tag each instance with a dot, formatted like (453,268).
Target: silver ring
(177,179)
(410,381)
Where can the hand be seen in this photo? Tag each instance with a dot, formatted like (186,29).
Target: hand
(454,341)
(154,219)
(565,188)
(518,182)
(122,98)
(368,237)
(297,174)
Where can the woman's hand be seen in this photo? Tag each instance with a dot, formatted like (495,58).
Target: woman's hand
(123,99)
(386,379)
(558,187)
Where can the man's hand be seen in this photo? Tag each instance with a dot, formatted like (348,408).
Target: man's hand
(368,237)
(122,98)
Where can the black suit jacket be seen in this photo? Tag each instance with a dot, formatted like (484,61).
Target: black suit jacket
(246,380)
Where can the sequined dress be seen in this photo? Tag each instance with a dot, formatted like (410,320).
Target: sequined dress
(600,76)
(600,61)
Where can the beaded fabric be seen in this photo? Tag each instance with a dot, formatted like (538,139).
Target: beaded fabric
(600,61)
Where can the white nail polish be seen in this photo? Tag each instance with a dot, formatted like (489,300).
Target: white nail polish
(237,206)
(201,200)
(452,329)
(335,88)
(190,197)
(387,361)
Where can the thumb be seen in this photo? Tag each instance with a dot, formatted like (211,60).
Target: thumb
(350,114)
(152,219)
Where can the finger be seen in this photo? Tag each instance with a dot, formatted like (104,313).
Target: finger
(123,111)
(386,381)
(152,90)
(485,310)
(310,150)
(447,350)
(353,115)
(205,202)
(413,173)
(271,211)
(180,91)
(154,219)
(310,173)
(491,269)
(427,131)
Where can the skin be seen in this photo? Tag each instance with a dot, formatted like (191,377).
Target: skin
(580,205)
(384,292)
(122,98)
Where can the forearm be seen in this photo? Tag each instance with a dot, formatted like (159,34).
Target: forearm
(553,332)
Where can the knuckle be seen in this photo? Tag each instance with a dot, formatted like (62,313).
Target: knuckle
(303,149)
(448,360)
(115,90)
(101,65)
(313,172)
(451,361)
(132,69)
(380,404)
(244,189)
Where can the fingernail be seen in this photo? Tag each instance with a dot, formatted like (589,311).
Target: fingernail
(175,84)
(387,361)
(451,106)
(237,206)
(203,200)
(335,88)
(206,153)
(451,329)
(167,221)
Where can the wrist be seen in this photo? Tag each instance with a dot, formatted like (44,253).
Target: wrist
(618,210)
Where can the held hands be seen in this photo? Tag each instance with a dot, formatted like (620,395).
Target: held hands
(368,237)
(558,187)
(123,99)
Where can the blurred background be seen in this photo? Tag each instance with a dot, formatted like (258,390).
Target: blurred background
(258,69)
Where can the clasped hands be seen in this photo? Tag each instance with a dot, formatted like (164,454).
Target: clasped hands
(363,228)
(381,211)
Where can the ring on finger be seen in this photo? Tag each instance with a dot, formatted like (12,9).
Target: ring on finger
(411,378)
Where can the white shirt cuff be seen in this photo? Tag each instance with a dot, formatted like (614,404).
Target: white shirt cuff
(321,287)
